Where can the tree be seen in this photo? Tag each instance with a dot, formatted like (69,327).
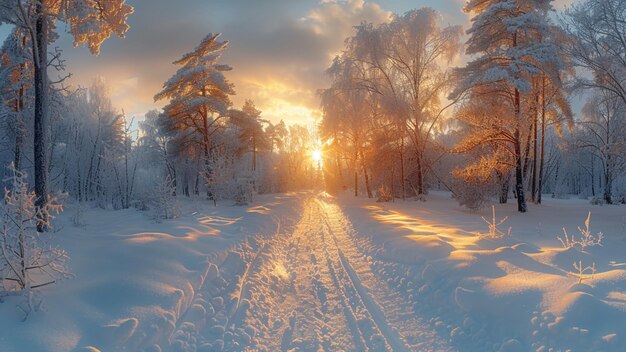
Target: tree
(198,95)
(405,63)
(603,134)
(512,43)
(156,142)
(91,140)
(252,137)
(27,261)
(348,110)
(552,109)
(598,44)
(488,135)
(16,91)
(90,22)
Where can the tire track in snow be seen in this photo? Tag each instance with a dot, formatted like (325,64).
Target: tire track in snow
(311,289)
(292,306)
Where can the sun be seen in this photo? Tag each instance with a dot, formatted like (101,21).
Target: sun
(317,155)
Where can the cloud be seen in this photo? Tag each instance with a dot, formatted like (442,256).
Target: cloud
(286,62)
(278,49)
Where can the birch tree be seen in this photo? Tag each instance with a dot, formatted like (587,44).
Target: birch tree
(603,134)
(406,63)
(598,44)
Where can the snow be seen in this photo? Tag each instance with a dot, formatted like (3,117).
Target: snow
(306,271)
(512,294)
(136,281)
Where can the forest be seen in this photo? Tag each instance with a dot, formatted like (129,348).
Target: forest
(524,105)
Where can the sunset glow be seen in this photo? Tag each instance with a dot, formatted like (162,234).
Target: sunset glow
(337,175)
(317,156)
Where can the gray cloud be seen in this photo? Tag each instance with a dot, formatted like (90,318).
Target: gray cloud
(279,49)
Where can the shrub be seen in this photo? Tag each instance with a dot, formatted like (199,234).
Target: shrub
(27,260)
(383,194)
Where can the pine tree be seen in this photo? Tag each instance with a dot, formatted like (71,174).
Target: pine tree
(198,95)
(510,41)
(252,137)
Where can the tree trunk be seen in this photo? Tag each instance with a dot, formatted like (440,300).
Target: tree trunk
(543,141)
(527,154)
(519,177)
(40,53)
(420,174)
(593,177)
(17,157)
(367,180)
(402,177)
(533,183)
(608,182)
(504,187)
(556,179)
(207,164)
(356,174)
(174,179)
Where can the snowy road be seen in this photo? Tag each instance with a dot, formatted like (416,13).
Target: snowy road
(311,289)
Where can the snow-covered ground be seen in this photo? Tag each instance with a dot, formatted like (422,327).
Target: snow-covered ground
(137,282)
(512,294)
(309,272)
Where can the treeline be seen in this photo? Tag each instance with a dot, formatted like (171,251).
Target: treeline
(198,145)
(400,120)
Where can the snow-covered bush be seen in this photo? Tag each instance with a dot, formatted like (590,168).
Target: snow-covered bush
(244,194)
(164,203)
(494,224)
(27,259)
(472,194)
(596,200)
(586,239)
(383,194)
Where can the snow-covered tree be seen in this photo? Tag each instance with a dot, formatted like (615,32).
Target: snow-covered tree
(198,96)
(16,91)
(603,134)
(27,259)
(406,62)
(164,203)
(598,44)
(512,42)
(91,141)
(348,109)
(90,22)
(124,164)
(252,136)
(155,144)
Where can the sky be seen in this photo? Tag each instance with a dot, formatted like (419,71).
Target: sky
(278,49)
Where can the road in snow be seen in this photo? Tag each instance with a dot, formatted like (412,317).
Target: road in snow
(307,289)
